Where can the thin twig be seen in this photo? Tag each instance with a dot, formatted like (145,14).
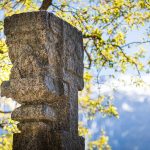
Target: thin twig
(5,112)
(89,58)
(124,54)
(143,42)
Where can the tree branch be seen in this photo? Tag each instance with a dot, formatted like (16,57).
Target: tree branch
(45,4)
(89,58)
(124,54)
(1,52)
(126,45)
(147,3)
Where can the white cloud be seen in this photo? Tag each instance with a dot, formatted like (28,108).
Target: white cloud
(124,84)
(126,107)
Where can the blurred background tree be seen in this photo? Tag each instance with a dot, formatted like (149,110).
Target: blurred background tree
(105,25)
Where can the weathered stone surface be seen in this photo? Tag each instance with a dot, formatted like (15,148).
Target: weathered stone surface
(28,113)
(38,89)
(41,137)
(47,73)
(47,141)
(49,46)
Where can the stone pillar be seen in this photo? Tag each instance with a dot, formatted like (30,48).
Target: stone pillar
(47,57)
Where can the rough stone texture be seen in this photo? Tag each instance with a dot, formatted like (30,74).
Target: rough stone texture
(40,112)
(47,57)
(36,89)
(47,141)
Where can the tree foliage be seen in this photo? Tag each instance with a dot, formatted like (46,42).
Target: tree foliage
(105,25)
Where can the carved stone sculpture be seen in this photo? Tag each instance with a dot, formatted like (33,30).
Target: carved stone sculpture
(47,57)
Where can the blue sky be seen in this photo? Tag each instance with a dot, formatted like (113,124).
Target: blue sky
(130,131)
